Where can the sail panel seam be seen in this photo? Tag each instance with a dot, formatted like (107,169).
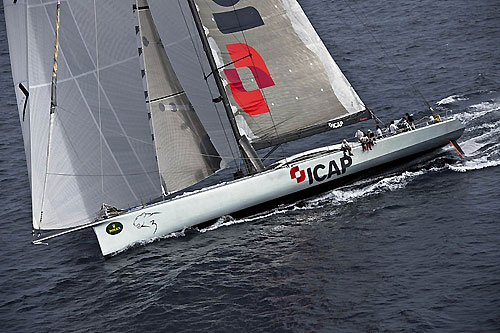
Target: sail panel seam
(74,77)
(90,111)
(109,102)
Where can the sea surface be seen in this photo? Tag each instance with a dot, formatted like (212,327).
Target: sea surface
(415,248)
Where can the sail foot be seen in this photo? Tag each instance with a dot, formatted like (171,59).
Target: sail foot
(313,130)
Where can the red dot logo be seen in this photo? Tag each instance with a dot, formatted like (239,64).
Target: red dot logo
(293,174)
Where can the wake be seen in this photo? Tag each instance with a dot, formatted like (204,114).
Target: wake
(480,143)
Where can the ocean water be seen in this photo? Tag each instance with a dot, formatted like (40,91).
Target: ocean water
(415,248)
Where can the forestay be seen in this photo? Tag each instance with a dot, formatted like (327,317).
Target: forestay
(184,150)
(280,77)
(101,149)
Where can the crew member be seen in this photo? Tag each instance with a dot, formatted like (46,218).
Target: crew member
(346,147)
(359,135)
(409,117)
(392,128)
(371,138)
(403,124)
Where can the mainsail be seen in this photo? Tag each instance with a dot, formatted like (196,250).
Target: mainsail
(184,150)
(282,81)
(101,150)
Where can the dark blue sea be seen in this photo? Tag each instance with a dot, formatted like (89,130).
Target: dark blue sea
(413,248)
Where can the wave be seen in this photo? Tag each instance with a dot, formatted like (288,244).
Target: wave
(493,105)
(477,111)
(475,165)
(228,220)
(484,126)
(386,184)
(452,99)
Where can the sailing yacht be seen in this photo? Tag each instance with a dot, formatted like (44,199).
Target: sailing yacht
(137,100)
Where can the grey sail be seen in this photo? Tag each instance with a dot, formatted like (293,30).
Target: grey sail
(281,79)
(177,31)
(184,150)
(101,149)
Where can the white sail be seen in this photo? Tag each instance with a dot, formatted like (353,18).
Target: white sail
(280,76)
(184,150)
(101,149)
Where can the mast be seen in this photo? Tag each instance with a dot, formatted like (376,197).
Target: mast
(252,160)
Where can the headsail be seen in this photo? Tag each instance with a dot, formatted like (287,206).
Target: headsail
(185,52)
(101,149)
(184,151)
(280,76)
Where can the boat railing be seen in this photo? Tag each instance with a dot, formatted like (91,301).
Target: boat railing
(420,123)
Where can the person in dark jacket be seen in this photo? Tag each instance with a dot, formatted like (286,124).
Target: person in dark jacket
(371,138)
(409,118)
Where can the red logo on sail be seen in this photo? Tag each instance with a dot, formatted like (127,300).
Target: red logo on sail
(252,102)
(293,174)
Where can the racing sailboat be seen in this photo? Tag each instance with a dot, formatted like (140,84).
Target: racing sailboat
(137,100)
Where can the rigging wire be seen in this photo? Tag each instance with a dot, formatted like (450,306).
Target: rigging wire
(415,89)
(235,157)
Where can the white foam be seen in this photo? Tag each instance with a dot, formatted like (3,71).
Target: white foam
(227,220)
(354,192)
(474,165)
(479,110)
(340,196)
(470,146)
(473,144)
(223,221)
(486,106)
(470,116)
(451,99)
(149,241)
(483,126)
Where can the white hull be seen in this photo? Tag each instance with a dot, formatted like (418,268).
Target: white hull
(191,209)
